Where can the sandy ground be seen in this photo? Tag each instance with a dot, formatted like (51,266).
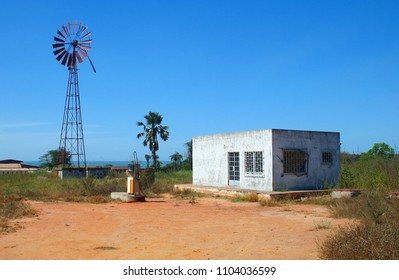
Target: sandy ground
(168,229)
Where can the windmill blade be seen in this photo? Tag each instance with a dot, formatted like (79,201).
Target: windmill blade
(69,27)
(59,40)
(83,30)
(58,51)
(58,45)
(83,52)
(62,35)
(65,30)
(69,59)
(87,48)
(65,59)
(64,52)
(74,26)
(89,41)
(86,35)
(80,59)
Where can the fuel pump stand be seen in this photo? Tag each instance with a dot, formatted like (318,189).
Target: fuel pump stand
(133,183)
(134,192)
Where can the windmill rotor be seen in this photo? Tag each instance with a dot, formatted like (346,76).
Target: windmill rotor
(71,44)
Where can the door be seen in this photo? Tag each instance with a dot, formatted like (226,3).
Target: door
(234,168)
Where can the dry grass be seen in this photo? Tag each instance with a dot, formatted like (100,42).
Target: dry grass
(247,197)
(367,241)
(375,235)
(13,207)
(322,224)
(270,203)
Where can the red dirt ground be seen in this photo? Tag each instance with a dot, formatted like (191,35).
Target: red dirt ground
(168,229)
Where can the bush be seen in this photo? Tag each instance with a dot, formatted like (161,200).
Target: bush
(367,241)
(375,233)
(373,173)
(13,207)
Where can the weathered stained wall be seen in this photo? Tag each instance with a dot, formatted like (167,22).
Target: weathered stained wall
(314,143)
(210,158)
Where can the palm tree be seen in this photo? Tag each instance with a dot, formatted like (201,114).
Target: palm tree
(147,159)
(176,158)
(152,128)
(189,147)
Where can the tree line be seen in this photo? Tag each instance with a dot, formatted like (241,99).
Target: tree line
(152,129)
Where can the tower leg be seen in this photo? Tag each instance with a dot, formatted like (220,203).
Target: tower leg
(72,148)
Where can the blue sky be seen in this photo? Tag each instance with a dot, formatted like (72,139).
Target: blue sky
(206,66)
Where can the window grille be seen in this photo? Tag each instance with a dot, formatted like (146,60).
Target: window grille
(234,166)
(295,162)
(326,158)
(254,163)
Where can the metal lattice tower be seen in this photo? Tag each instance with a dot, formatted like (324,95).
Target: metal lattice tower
(72,44)
(72,140)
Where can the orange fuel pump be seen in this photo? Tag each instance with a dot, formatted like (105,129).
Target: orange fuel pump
(133,182)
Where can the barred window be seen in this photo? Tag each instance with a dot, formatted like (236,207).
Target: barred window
(295,162)
(326,158)
(254,163)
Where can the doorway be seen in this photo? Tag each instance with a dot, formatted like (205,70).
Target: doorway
(234,168)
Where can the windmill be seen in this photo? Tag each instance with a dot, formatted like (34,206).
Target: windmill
(71,46)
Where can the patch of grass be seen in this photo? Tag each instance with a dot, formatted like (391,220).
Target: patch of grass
(105,248)
(323,224)
(317,200)
(4,225)
(374,235)
(247,197)
(367,241)
(251,197)
(165,182)
(13,207)
(269,203)
(237,198)
(47,187)
(368,206)
(370,174)
(188,194)
(192,200)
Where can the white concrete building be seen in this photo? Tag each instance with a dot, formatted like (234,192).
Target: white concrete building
(269,160)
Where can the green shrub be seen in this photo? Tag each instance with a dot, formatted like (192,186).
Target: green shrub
(373,173)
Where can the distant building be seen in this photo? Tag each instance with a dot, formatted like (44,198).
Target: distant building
(268,160)
(12,166)
(97,172)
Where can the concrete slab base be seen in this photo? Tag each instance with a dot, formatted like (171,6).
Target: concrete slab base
(124,196)
(229,191)
(344,193)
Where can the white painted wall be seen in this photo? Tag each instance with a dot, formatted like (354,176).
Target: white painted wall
(313,143)
(210,158)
